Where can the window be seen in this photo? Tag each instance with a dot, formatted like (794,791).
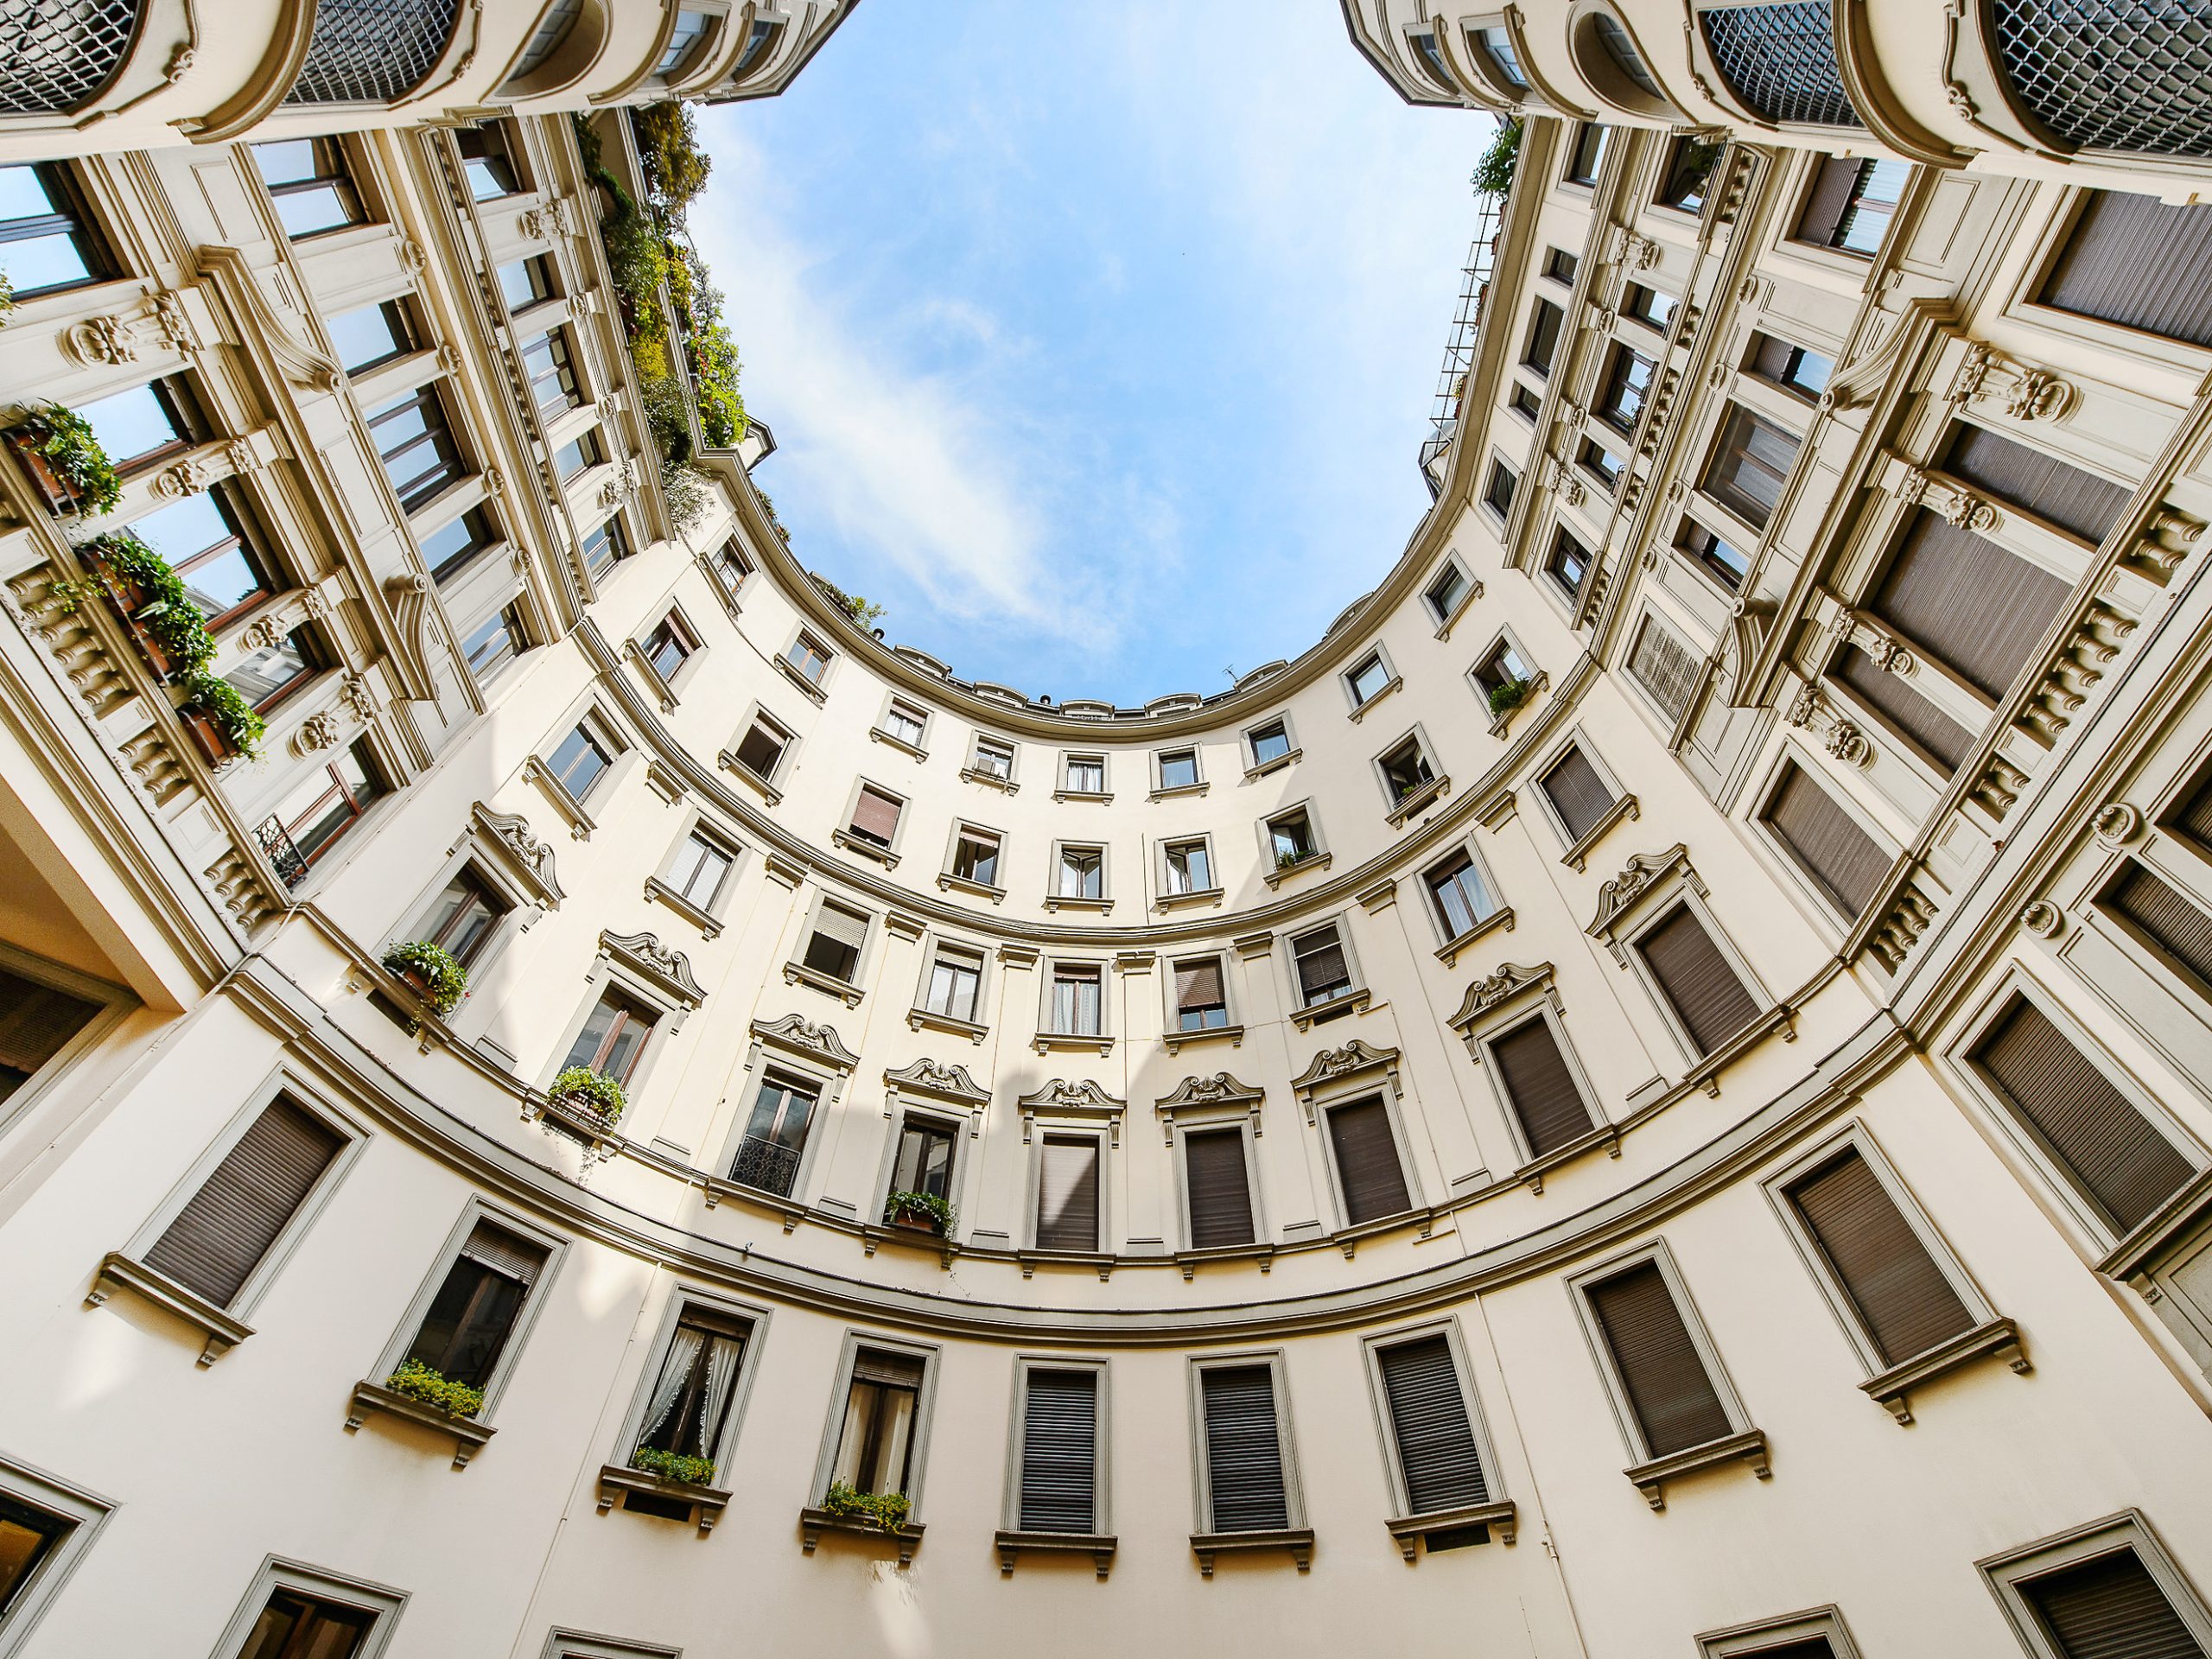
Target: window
(669,646)
(775,1135)
(1648,305)
(810,656)
(1449,589)
(906,723)
(311,184)
(689,1409)
(1665,667)
(1522,403)
(2119,1163)
(1696,980)
(46,242)
(613,1037)
(1083,873)
(1791,367)
(757,45)
(1568,563)
(203,538)
(464,1332)
(975,855)
(1976,607)
(1246,1486)
(1503,666)
(1423,42)
(579,456)
(265,676)
(701,871)
(994,759)
(1539,1087)
(2149,909)
(834,947)
(1322,969)
(370,335)
(549,365)
(731,568)
(1406,771)
(495,642)
(1576,792)
(1657,1369)
(1369,1173)
(1749,466)
(421,455)
(1367,680)
(452,547)
(36,1023)
(1544,325)
(28,1538)
(1559,265)
(1217,1180)
(956,980)
(294,1626)
(463,917)
(1269,744)
(1495,46)
(1291,839)
(2124,263)
(1498,493)
(1897,1293)
(2079,503)
(2104,1592)
(1179,769)
(1628,385)
(875,1442)
(523,282)
(1067,1193)
(1926,730)
(142,425)
(583,759)
(761,749)
(1689,174)
(1588,155)
(1719,559)
(1201,1002)
(1845,862)
(488,161)
(323,805)
(1189,866)
(1600,463)
(1083,774)
(923,1162)
(1059,1471)
(45,1528)
(1462,898)
(1621,52)
(1434,1453)
(605,545)
(1852,203)
(682,40)
(1076,999)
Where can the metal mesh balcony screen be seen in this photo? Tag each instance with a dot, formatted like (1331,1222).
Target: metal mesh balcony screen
(1781,60)
(2130,75)
(372,51)
(56,54)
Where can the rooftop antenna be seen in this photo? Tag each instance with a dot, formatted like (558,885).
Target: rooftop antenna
(1231,669)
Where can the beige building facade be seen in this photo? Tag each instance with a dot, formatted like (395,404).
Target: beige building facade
(1646,1094)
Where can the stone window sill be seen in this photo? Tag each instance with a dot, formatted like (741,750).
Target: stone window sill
(808,686)
(1190,1261)
(1575,856)
(898,742)
(1282,873)
(1350,1002)
(865,847)
(1178,790)
(948,882)
(1177,1040)
(913,1234)
(1420,800)
(1099,1547)
(767,790)
(1046,1041)
(1497,921)
(813,1523)
(1444,628)
(370,1398)
(1502,724)
(1533,1172)
(657,889)
(1069,901)
(1650,1477)
(118,1272)
(974,1031)
(798,973)
(989,779)
(706,1503)
(1254,772)
(789,1210)
(1299,1540)
(1410,1530)
(1998,1338)
(1191,900)
(1389,686)
(580,823)
(1102,1261)
(1104,796)
(1348,1238)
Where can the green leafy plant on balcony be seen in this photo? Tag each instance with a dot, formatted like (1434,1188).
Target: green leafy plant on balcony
(1287,859)
(1507,695)
(887,1511)
(434,1388)
(674,1465)
(1494,173)
(440,979)
(863,612)
(63,440)
(919,1207)
(231,714)
(7,299)
(594,1089)
(154,597)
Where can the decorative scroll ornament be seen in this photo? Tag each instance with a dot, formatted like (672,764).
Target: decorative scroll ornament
(1061,1098)
(2043,918)
(186,478)
(1641,874)
(1219,1090)
(804,1036)
(1509,981)
(319,731)
(359,701)
(2022,389)
(2118,824)
(531,859)
(647,957)
(947,1082)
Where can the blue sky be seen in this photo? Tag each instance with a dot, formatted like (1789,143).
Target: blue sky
(1097,341)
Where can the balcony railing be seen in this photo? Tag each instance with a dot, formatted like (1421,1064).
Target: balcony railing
(1459,348)
(765,1167)
(2130,75)
(1781,60)
(372,51)
(54,56)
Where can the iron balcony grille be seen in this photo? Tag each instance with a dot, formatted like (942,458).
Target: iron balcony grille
(2133,75)
(282,852)
(1780,60)
(765,1167)
(1467,329)
(56,54)
(371,51)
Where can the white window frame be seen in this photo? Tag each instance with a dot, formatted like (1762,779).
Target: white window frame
(1161,790)
(975,771)
(2007,1570)
(1377,655)
(1450,944)
(1047,1037)
(808,1068)
(609,974)
(85,1512)
(1399,813)
(1320,859)
(1212,893)
(611,736)
(276,1572)
(894,702)
(562,1643)
(758,713)
(112,1005)
(849,991)
(660,886)
(922,1014)
(669,691)
(1255,767)
(816,690)
(1055,899)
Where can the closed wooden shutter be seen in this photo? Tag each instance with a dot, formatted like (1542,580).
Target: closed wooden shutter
(1697,980)
(2060,494)
(1830,196)
(1428,1420)
(1220,1188)
(1577,793)
(1771,360)
(227,1226)
(893,1371)
(1665,667)
(1846,862)
(843,926)
(1938,739)
(876,816)
(1059,1452)
(1898,1292)
(2113,1154)
(1674,1401)
(1243,1450)
(37,1021)
(1541,1087)
(1967,603)
(1367,1162)
(2135,261)
(2110,1607)
(1197,984)
(1067,1194)
(1321,964)
(2171,922)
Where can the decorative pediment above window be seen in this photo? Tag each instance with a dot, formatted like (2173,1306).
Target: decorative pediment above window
(1218,1096)
(1336,1067)
(948,1086)
(797,1035)
(1643,872)
(1507,985)
(667,970)
(1073,1102)
(521,856)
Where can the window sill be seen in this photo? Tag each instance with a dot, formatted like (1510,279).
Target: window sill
(1749,1446)
(1282,873)
(1067,901)
(577,1120)
(800,680)
(706,1503)
(118,1272)
(789,1210)
(1420,801)
(1347,1238)
(1998,1337)
(1390,685)
(1576,855)
(1099,1547)
(1102,797)
(1444,628)
(370,1398)
(1176,1040)
(1191,900)
(915,1235)
(1319,1012)
(948,882)
(767,790)
(1254,772)
(580,823)
(1607,1135)
(972,1030)
(1190,1261)
(864,848)
(898,743)
(991,780)
(1410,1530)
(812,1523)
(1497,921)
(657,889)
(1102,1259)
(798,973)
(1179,790)
(1299,1540)
(1500,724)
(1046,1041)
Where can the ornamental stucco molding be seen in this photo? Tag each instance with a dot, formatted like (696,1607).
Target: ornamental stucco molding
(798,1035)
(1222,1090)
(646,957)
(1061,1099)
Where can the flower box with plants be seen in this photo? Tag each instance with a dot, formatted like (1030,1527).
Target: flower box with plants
(1287,859)
(152,602)
(419,1381)
(1507,695)
(676,1468)
(671,1485)
(221,722)
(843,1509)
(419,1394)
(923,1212)
(590,1094)
(65,460)
(437,979)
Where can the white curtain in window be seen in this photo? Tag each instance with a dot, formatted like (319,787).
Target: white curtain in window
(674,1372)
(721,1373)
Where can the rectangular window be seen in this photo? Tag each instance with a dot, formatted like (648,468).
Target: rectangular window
(1568,563)
(1559,265)
(976,856)
(2177,931)
(810,656)
(1749,466)
(1665,667)
(605,545)
(956,979)
(145,425)
(1522,403)
(1502,666)
(1696,980)
(2077,502)
(1290,838)
(1179,769)
(1462,898)
(1497,496)
(1539,1087)
(265,676)
(1431,1431)
(923,1162)
(1627,388)
(689,1409)
(1544,326)
(701,871)
(1367,680)
(1445,594)
(1896,1290)
(1269,743)
(474,1311)
(2135,261)
(1218,1181)
(1588,155)
(229,1225)
(1926,730)
(1084,774)
(906,723)
(30,1539)
(295,1626)
(835,946)
(1689,174)
(578,456)
(1791,367)
(487,160)
(994,759)
(1368,1169)
(36,1023)
(1067,1193)
(1324,972)
(322,806)
(1406,771)
(1059,1470)
(1076,992)
(549,365)
(453,546)
(583,759)
(311,185)
(1845,862)
(682,40)
(1577,793)
(1719,560)
(1245,1487)
(523,282)
(203,538)
(1851,204)
(463,917)
(761,749)
(1189,867)
(2107,1606)
(1083,873)
(416,441)
(1648,305)
(875,817)
(1201,1000)
(875,1444)
(669,646)
(732,569)
(613,1037)
(1600,463)
(1662,1375)
(46,240)
(1974,606)
(775,1135)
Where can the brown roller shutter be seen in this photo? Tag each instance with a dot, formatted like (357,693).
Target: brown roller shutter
(2110,1607)
(1830,196)
(37,1021)
(1665,666)
(1428,1420)
(1697,980)
(1771,360)
(2113,1154)
(2170,922)
(2135,261)
(1221,1193)
(1320,966)
(1966,601)
(876,814)
(1059,1452)
(1541,1087)
(1674,1401)
(505,1252)
(1367,1162)
(1844,860)
(2078,502)
(842,925)
(1938,739)
(227,1226)
(1197,984)
(1901,1296)
(1067,1194)
(1577,793)
(1244,1481)
(1812,1647)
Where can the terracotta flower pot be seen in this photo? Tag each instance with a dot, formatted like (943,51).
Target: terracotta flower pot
(214,744)
(59,495)
(914,1223)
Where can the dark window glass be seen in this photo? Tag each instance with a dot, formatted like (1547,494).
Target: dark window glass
(551,370)
(28,1538)
(1406,771)
(1324,972)
(669,646)
(1497,496)
(474,1310)
(605,546)
(36,1022)
(450,549)
(488,161)
(1689,174)
(495,642)
(1749,466)
(1201,999)
(1628,386)
(761,750)
(613,1037)
(421,455)
(46,242)
(875,1445)
(1461,896)
(1569,561)
(1270,742)
(835,946)
(924,1162)
(1727,566)
(1522,403)
(775,1134)
(267,675)
(1589,154)
(1544,326)
(691,1401)
(294,1626)
(462,918)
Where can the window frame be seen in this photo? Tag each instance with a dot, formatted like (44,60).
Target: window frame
(976,772)
(1384,1089)
(681,1298)
(843,834)
(771,1057)
(1372,1347)
(1055,899)
(882,732)
(1657,1252)
(847,991)
(279,1575)
(1172,1034)
(1101,1509)
(710,917)
(1254,766)
(816,689)
(922,1014)
(85,1512)
(1658,905)
(2006,1571)
(1536,997)
(1303,1013)
(1377,655)
(1047,1034)
(1237,1114)
(1319,858)
(1165,898)
(347,179)
(601,729)
(1449,944)
(1764,1635)
(1286,1444)
(1784,858)
(758,714)
(113,1004)
(1471,590)
(930,1354)
(948,877)
(1199,784)
(669,688)
(1398,809)
(1575,849)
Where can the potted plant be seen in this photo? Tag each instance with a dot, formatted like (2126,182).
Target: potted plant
(592,1092)
(221,723)
(1507,695)
(1494,173)
(886,1511)
(677,1466)
(151,600)
(923,1212)
(436,978)
(1290,859)
(433,1387)
(65,460)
